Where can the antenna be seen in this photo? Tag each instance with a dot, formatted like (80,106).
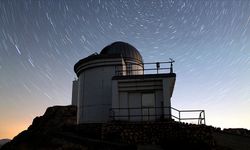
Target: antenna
(171,65)
(171,60)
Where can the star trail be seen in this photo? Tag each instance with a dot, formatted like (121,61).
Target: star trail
(40,41)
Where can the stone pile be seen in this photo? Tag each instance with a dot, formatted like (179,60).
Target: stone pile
(159,133)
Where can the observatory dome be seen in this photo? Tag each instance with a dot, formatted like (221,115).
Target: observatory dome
(124,49)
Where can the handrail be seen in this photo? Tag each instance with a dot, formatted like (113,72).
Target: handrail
(115,114)
(132,68)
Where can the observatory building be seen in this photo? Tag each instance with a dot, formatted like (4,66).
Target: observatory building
(117,85)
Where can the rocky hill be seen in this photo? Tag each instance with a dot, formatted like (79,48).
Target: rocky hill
(57,129)
(3,141)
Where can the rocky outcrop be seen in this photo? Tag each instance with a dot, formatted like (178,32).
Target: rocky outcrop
(55,118)
(42,133)
(238,131)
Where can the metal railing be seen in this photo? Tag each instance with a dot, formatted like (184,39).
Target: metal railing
(154,113)
(200,118)
(146,68)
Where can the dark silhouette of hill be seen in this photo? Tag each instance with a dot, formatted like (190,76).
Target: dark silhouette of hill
(3,141)
(57,129)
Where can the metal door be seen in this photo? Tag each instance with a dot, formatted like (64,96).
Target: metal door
(148,106)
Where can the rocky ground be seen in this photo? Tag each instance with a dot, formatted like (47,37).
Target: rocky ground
(57,130)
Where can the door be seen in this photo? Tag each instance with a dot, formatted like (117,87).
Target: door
(148,106)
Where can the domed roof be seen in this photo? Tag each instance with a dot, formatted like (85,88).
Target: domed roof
(124,49)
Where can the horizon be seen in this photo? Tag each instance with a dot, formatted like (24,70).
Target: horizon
(40,41)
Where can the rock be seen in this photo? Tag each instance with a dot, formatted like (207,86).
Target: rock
(55,118)
(238,131)
(42,133)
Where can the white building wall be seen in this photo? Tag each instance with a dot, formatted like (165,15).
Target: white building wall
(168,87)
(95,93)
(81,87)
(115,95)
(159,101)
(95,98)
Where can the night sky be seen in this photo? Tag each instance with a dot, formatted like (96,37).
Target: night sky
(41,40)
